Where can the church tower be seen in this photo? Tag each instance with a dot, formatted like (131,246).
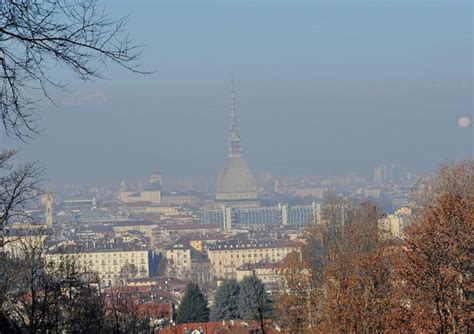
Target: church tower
(48,215)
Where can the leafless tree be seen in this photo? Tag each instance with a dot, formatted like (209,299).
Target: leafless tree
(37,35)
(17,186)
(123,315)
(39,295)
(129,270)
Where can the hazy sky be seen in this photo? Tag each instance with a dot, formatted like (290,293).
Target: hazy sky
(323,88)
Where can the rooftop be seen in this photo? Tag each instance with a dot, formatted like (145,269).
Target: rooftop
(251,244)
(100,246)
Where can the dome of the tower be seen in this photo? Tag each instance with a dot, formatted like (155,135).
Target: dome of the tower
(236,181)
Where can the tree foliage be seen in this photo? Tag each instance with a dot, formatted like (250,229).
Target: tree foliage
(295,303)
(437,260)
(351,280)
(254,303)
(356,281)
(194,306)
(226,301)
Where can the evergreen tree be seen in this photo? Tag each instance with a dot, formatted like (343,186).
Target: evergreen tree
(226,301)
(194,306)
(254,303)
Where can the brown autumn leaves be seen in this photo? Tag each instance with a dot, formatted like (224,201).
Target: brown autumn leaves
(350,280)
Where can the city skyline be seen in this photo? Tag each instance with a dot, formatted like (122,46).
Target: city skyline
(327,189)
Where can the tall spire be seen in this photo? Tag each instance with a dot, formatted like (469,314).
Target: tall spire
(233,114)
(235,149)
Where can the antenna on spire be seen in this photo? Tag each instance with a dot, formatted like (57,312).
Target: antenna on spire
(233,114)
(234,139)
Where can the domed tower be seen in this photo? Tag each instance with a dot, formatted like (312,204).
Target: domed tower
(236,183)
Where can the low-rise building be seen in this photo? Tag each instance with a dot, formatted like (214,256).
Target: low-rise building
(145,227)
(201,242)
(18,245)
(113,262)
(227,256)
(268,273)
(178,258)
(179,199)
(393,226)
(168,230)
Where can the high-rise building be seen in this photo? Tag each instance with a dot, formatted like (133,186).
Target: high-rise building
(392,173)
(236,185)
(380,174)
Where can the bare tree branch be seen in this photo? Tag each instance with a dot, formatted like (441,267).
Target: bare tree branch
(36,35)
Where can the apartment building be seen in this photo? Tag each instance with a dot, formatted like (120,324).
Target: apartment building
(268,273)
(114,263)
(179,260)
(227,256)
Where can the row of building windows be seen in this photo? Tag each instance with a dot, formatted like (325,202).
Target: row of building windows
(104,262)
(251,250)
(297,215)
(114,271)
(101,255)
